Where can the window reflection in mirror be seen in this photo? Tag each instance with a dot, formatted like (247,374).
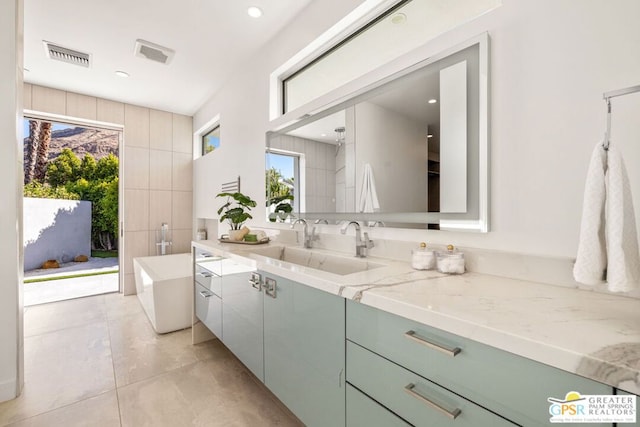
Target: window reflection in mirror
(283,187)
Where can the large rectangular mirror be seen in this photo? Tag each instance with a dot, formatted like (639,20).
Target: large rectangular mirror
(410,152)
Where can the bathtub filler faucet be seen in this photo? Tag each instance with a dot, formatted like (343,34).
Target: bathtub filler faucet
(306,237)
(362,246)
(163,240)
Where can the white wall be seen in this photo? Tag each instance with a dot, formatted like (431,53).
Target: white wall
(11,176)
(551,60)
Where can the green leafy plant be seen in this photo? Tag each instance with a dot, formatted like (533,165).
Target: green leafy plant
(236,209)
(282,209)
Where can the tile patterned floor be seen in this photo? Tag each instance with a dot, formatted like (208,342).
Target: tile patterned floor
(96,361)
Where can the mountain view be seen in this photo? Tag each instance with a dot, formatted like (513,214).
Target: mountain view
(99,143)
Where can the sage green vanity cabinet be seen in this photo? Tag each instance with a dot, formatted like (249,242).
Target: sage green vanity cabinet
(419,401)
(208,302)
(364,411)
(242,301)
(304,350)
(637,423)
(514,387)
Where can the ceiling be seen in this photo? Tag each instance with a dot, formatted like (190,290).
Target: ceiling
(211,40)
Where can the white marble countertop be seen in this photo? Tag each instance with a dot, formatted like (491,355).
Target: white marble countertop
(592,334)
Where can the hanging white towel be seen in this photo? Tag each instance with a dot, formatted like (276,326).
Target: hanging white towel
(623,266)
(608,247)
(368,194)
(591,261)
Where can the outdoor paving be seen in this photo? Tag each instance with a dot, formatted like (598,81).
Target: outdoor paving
(63,289)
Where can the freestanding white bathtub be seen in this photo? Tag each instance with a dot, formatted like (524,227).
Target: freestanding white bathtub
(165,289)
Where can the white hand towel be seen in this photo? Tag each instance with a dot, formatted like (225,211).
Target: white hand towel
(623,267)
(592,252)
(368,194)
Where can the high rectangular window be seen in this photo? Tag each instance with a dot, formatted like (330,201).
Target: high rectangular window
(211,140)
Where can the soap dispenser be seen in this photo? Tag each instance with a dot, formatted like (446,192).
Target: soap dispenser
(423,258)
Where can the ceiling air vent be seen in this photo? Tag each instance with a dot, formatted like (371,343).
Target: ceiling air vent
(64,54)
(153,52)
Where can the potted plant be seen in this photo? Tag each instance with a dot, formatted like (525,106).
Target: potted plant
(283,208)
(236,210)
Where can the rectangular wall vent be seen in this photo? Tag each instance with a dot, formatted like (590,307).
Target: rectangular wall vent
(153,52)
(67,55)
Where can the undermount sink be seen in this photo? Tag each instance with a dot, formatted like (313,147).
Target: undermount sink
(319,261)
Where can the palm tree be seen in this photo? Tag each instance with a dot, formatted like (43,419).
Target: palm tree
(42,158)
(31,149)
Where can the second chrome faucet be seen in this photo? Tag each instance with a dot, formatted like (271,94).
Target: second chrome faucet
(306,237)
(362,245)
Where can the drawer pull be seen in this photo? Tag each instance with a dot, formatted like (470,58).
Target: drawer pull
(206,294)
(412,335)
(413,393)
(205,274)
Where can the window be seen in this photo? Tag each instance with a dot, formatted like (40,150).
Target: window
(282,185)
(401,29)
(211,140)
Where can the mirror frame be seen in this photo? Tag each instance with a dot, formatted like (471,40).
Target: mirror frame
(405,64)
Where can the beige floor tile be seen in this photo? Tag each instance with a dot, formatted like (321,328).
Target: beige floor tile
(215,392)
(99,411)
(119,305)
(139,353)
(40,319)
(61,368)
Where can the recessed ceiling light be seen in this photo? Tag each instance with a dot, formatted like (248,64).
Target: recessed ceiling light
(429,136)
(398,18)
(122,74)
(432,101)
(323,134)
(254,12)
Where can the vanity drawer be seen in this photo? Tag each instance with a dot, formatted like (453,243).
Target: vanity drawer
(209,309)
(364,411)
(417,400)
(209,280)
(510,385)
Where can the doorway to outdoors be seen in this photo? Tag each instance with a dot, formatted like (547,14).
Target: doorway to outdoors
(71,210)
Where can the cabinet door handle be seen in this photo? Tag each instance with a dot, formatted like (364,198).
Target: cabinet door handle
(270,287)
(206,294)
(256,281)
(412,335)
(410,389)
(256,285)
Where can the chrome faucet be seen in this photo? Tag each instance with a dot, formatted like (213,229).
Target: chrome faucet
(163,242)
(307,238)
(362,246)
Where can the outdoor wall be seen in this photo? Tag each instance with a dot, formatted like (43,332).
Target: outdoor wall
(156,165)
(11,176)
(550,62)
(55,229)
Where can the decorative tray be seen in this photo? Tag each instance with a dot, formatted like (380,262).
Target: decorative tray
(225,239)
